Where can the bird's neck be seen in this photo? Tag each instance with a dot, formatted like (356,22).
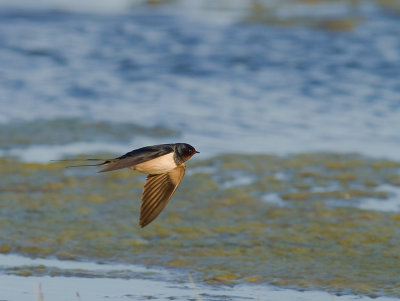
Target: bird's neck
(178,159)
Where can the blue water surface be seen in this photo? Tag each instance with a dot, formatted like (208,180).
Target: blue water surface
(227,87)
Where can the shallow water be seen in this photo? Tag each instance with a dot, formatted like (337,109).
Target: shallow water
(142,287)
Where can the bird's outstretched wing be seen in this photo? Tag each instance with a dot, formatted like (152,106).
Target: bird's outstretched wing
(137,156)
(157,191)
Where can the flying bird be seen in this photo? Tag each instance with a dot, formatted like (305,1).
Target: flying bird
(165,167)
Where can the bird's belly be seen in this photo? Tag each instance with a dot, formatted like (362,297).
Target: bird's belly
(158,165)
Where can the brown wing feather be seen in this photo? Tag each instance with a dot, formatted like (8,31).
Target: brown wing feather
(157,191)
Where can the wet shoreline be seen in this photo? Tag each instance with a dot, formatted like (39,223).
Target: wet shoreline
(157,284)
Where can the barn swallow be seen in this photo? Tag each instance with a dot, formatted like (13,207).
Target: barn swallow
(165,167)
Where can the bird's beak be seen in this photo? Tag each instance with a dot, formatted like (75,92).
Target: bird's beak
(197,152)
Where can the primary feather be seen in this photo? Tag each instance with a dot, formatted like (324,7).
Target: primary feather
(157,191)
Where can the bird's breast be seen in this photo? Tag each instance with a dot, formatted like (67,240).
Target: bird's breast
(158,165)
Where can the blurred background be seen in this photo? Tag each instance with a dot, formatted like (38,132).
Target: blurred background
(294,106)
(227,76)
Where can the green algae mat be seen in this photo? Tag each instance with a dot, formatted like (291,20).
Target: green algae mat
(291,221)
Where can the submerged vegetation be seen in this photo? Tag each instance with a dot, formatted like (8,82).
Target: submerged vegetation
(291,221)
(330,15)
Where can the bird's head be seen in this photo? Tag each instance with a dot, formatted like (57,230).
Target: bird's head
(185,151)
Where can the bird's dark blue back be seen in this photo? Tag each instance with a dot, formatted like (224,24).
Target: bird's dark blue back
(149,152)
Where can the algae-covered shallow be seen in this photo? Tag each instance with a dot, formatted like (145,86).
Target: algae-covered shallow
(218,224)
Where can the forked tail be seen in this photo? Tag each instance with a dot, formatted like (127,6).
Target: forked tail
(105,161)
